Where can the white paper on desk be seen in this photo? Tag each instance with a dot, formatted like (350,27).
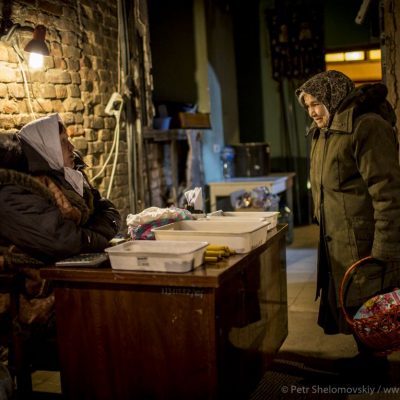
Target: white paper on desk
(194,198)
(198,200)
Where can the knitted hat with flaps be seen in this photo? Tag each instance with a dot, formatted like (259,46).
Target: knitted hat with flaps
(328,87)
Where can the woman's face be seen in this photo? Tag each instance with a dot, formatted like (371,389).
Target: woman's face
(67,149)
(316,110)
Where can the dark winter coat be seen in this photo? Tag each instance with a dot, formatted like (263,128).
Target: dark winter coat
(34,232)
(31,220)
(355,181)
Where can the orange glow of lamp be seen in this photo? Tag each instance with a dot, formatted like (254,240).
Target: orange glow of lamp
(37,47)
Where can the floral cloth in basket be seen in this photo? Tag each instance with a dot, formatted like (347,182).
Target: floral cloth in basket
(378,304)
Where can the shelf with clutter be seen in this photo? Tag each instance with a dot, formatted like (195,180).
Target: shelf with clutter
(182,158)
(164,135)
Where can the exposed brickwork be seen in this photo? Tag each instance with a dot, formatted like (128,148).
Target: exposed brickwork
(77,82)
(3,53)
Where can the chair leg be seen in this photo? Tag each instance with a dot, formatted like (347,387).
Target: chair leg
(19,365)
(18,360)
(19,342)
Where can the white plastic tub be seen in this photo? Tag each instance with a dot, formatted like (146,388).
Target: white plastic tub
(240,235)
(269,216)
(159,256)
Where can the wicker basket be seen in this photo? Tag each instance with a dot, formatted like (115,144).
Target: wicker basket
(380,332)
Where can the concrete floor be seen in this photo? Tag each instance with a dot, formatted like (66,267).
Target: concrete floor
(309,365)
(305,336)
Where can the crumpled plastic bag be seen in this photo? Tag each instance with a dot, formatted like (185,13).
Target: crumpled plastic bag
(140,225)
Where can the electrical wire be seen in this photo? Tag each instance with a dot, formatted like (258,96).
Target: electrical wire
(21,68)
(117,118)
(116,134)
(133,172)
(113,151)
(117,113)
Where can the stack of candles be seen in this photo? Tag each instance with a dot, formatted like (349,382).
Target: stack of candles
(215,253)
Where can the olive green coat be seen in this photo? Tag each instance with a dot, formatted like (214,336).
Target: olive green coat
(355,181)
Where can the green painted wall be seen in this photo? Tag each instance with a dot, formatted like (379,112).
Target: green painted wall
(248,68)
(341,29)
(172,45)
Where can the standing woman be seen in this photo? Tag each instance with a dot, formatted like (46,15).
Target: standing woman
(355,182)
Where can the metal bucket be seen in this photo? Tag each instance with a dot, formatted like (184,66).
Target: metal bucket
(252,159)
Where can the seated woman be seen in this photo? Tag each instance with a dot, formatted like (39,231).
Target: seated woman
(49,211)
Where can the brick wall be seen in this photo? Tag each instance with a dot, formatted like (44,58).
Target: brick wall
(77,82)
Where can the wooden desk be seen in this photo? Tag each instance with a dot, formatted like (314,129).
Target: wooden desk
(206,334)
(277,183)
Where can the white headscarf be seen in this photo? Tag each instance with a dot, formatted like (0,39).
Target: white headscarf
(43,136)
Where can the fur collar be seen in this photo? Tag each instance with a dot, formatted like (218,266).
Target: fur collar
(12,177)
(84,204)
(11,155)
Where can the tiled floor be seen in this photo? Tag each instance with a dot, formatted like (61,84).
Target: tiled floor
(310,365)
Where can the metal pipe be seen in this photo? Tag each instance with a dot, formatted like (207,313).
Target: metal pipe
(131,147)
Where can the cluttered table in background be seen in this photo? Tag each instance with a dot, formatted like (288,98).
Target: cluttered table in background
(205,334)
(277,183)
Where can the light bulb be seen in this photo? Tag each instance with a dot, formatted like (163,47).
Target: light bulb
(35,60)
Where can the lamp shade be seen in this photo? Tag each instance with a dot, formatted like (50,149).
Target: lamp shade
(37,44)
